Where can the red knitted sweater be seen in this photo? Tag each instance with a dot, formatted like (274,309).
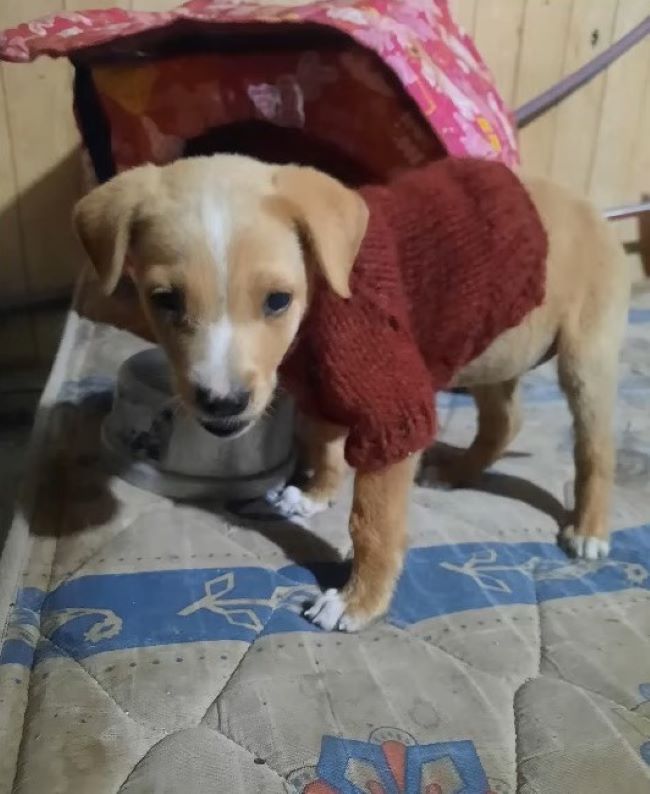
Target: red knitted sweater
(453,256)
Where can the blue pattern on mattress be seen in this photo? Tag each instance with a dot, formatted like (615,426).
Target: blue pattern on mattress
(106,612)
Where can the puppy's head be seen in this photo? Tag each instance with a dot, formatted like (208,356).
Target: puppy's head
(223,251)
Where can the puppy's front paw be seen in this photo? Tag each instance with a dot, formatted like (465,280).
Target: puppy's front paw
(291,501)
(332,612)
(584,547)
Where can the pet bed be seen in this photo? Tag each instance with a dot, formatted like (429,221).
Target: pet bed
(359,89)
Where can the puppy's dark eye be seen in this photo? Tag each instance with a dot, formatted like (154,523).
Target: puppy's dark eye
(276,303)
(169,305)
(169,301)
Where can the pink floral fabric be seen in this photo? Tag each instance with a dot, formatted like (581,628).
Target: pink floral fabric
(436,63)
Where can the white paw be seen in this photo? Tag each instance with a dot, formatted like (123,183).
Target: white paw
(586,547)
(291,501)
(350,624)
(346,550)
(327,610)
(329,613)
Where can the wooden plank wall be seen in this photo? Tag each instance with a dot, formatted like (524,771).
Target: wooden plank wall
(40,177)
(598,141)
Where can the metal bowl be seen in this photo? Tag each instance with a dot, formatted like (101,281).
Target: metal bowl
(151,442)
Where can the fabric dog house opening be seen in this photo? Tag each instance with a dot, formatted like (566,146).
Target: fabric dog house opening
(357,89)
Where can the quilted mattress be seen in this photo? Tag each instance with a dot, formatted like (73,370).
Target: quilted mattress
(159,647)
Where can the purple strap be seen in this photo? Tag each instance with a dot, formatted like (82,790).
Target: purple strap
(567,85)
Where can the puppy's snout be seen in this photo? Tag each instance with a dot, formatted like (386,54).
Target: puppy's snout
(219,406)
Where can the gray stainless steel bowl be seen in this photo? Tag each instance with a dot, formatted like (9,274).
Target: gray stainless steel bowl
(151,442)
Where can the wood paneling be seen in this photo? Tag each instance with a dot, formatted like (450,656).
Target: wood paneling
(154,5)
(498,26)
(591,27)
(541,62)
(619,123)
(464,12)
(46,167)
(39,182)
(12,273)
(597,141)
(82,5)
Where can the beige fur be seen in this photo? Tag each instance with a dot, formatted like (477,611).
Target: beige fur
(227,231)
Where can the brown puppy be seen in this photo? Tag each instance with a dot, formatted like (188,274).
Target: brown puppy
(223,276)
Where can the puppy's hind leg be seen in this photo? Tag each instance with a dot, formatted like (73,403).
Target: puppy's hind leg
(499,421)
(587,366)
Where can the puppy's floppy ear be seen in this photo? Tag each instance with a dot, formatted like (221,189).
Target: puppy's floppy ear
(332,217)
(104,221)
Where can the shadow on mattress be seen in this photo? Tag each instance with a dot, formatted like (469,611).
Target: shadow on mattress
(497,483)
(74,489)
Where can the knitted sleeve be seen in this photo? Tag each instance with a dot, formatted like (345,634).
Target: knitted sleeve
(374,381)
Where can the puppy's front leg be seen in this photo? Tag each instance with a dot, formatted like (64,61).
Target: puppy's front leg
(324,450)
(378,531)
(325,453)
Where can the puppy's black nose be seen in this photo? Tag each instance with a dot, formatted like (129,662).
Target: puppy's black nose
(216,405)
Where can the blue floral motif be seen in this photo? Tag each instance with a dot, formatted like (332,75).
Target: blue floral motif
(392,762)
(644,691)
